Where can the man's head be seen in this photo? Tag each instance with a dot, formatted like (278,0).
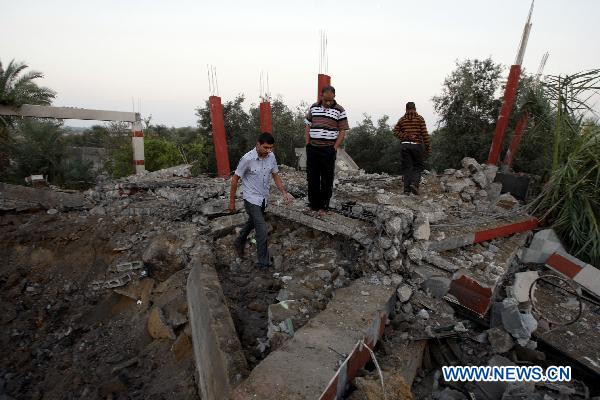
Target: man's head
(264,144)
(411,106)
(328,93)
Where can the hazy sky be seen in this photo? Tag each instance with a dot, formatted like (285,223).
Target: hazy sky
(100,54)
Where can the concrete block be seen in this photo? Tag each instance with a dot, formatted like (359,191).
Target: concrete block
(220,362)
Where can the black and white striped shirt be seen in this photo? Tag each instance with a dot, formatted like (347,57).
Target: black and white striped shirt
(326,122)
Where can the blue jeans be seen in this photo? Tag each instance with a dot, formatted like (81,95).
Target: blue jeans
(256,221)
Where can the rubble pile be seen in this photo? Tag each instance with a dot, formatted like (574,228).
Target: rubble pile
(99,280)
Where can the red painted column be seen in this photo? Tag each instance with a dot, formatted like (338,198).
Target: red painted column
(219,138)
(266,124)
(516,139)
(509,99)
(323,80)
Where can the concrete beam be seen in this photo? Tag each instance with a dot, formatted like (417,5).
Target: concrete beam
(325,354)
(28,110)
(218,353)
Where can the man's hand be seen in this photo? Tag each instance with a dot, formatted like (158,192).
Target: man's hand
(287,199)
(231,207)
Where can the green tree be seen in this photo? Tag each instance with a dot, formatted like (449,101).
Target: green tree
(37,148)
(17,87)
(374,148)
(161,153)
(468,107)
(570,199)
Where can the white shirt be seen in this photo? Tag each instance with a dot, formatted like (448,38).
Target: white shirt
(255,173)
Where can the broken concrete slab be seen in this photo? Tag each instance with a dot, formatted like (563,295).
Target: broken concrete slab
(542,246)
(21,198)
(223,225)
(580,272)
(305,366)
(481,235)
(220,362)
(331,223)
(522,285)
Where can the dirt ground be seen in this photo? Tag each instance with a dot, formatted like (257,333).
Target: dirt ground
(61,339)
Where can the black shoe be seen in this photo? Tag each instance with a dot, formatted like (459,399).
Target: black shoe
(414,190)
(263,266)
(239,249)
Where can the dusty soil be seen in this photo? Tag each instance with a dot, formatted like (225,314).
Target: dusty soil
(61,339)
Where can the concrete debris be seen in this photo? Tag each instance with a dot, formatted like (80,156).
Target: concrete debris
(375,249)
(421,230)
(507,201)
(404,293)
(437,286)
(522,285)
(500,340)
(519,325)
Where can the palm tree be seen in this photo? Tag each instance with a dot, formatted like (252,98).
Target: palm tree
(17,87)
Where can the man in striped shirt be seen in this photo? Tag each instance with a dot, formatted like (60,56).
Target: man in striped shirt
(412,131)
(326,126)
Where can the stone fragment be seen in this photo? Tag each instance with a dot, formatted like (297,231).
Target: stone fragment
(500,340)
(507,201)
(391,254)
(394,226)
(471,164)
(421,229)
(182,347)
(158,326)
(415,254)
(423,314)
(385,242)
(438,286)
(404,293)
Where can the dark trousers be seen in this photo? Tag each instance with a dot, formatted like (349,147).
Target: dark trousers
(412,165)
(256,221)
(320,169)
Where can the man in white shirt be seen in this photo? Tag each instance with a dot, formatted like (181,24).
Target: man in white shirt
(255,169)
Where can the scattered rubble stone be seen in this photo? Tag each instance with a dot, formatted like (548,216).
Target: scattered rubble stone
(404,293)
(507,201)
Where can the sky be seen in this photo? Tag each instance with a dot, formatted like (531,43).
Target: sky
(103,54)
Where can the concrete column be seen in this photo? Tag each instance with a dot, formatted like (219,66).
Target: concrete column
(219,138)
(515,141)
(507,103)
(323,80)
(137,141)
(266,122)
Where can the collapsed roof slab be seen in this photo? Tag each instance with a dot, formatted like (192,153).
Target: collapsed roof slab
(325,353)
